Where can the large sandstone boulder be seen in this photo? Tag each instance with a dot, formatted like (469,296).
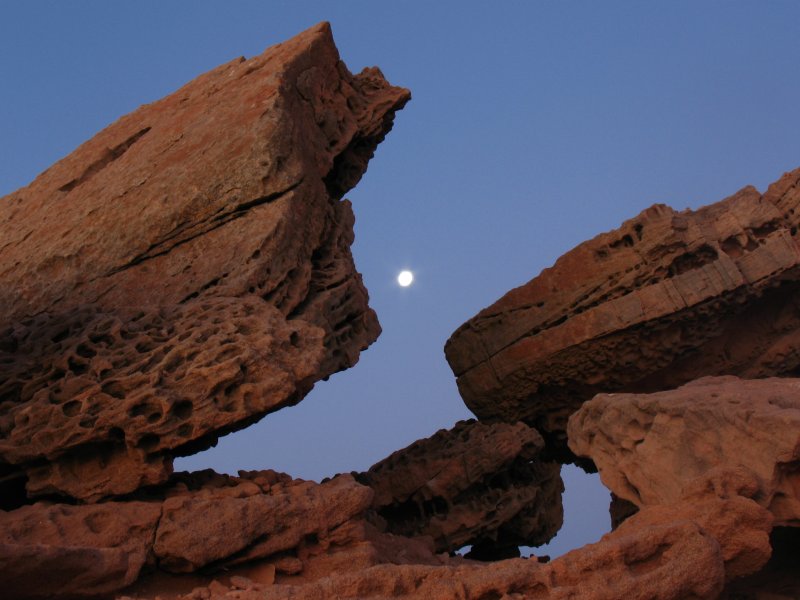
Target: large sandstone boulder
(186,271)
(666,298)
(475,484)
(647,447)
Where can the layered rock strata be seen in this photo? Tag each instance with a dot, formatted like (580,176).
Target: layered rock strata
(186,271)
(666,298)
(475,484)
(648,446)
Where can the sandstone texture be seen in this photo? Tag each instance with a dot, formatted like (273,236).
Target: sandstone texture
(647,447)
(186,271)
(475,484)
(667,298)
(197,521)
(688,549)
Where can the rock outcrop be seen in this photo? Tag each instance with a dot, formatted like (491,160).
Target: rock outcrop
(661,552)
(197,521)
(186,271)
(647,447)
(666,298)
(476,484)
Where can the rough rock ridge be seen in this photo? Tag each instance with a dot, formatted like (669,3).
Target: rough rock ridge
(664,552)
(666,298)
(186,271)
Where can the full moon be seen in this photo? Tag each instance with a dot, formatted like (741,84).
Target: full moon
(405,278)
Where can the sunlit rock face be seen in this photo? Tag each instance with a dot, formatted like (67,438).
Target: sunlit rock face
(666,298)
(647,447)
(186,271)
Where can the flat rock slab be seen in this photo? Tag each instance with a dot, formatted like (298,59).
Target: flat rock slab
(647,447)
(186,271)
(666,298)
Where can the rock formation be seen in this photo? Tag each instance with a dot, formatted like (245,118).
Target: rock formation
(475,484)
(196,521)
(666,298)
(647,447)
(661,552)
(186,271)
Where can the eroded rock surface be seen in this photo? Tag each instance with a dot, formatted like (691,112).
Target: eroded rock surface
(647,447)
(666,298)
(475,484)
(200,520)
(688,549)
(186,271)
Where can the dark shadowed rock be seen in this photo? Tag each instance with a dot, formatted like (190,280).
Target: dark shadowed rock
(475,484)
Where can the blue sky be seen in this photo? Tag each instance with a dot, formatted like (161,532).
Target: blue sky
(533,126)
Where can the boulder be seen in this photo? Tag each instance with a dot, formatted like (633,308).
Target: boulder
(475,484)
(648,447)
(666,298)
(186,271)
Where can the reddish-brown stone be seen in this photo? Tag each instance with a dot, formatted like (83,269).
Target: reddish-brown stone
(475,484)
(198,520)
(669,561)
(186,271)
(688,549)
(666,298)
(647,447)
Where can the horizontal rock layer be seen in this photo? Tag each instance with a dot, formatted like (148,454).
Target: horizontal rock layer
(666,298)
(186,271)
(198,521)
(665,552)
(648,446)
(475,484)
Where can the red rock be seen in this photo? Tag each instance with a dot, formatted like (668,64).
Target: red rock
(666,298)
(648,447)
(683,550)
(475,484)
(186,271)
(198,520)
(668,561)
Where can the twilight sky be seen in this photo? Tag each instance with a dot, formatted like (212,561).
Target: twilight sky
(533,126)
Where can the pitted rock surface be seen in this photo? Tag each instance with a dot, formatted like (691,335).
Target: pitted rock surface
(666,298)
(186,271)
(647,447)
(475,484)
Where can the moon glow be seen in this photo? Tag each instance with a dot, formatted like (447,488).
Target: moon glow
(405,278)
